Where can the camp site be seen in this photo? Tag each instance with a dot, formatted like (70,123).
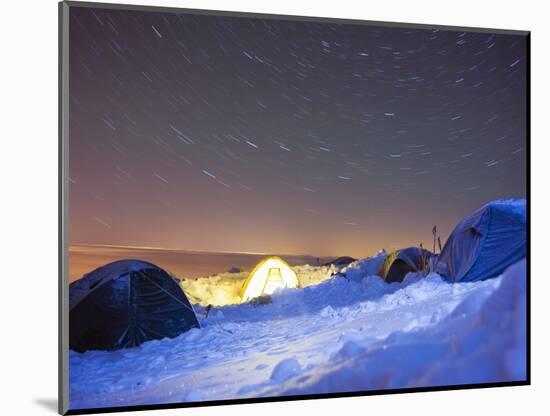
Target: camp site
(140,334)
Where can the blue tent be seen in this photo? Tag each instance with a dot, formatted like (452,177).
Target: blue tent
(486,242)
(124,304)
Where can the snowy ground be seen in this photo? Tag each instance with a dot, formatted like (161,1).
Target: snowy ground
(338,334)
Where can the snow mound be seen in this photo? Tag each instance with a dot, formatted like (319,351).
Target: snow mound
(368,266)
(285,370)
(481,341)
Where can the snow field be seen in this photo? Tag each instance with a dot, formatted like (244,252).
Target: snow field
(341,334)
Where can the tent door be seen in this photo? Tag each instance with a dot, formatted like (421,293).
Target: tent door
(274,275)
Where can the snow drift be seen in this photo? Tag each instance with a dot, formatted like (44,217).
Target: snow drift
(350,333)
(481,341)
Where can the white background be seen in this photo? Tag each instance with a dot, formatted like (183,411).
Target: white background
(28,204)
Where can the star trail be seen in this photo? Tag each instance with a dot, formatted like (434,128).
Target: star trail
(284,136)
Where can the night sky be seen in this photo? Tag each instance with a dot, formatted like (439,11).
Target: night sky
(286,137)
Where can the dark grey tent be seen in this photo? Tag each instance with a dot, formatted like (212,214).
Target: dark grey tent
(340,261)
(486,242)
(400,262)
(124,304)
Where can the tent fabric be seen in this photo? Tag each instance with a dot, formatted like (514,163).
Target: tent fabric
(400,262)
(340,261)
(486,242)
(270,274)
(124,304)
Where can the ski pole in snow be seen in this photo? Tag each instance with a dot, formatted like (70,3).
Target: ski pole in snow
(208,308)
(434,232)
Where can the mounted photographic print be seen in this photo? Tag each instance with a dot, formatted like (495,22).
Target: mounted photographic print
(262,208)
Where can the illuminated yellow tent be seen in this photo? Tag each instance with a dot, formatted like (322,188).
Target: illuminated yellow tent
(269,275)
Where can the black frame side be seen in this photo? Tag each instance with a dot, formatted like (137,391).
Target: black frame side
(63,208)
